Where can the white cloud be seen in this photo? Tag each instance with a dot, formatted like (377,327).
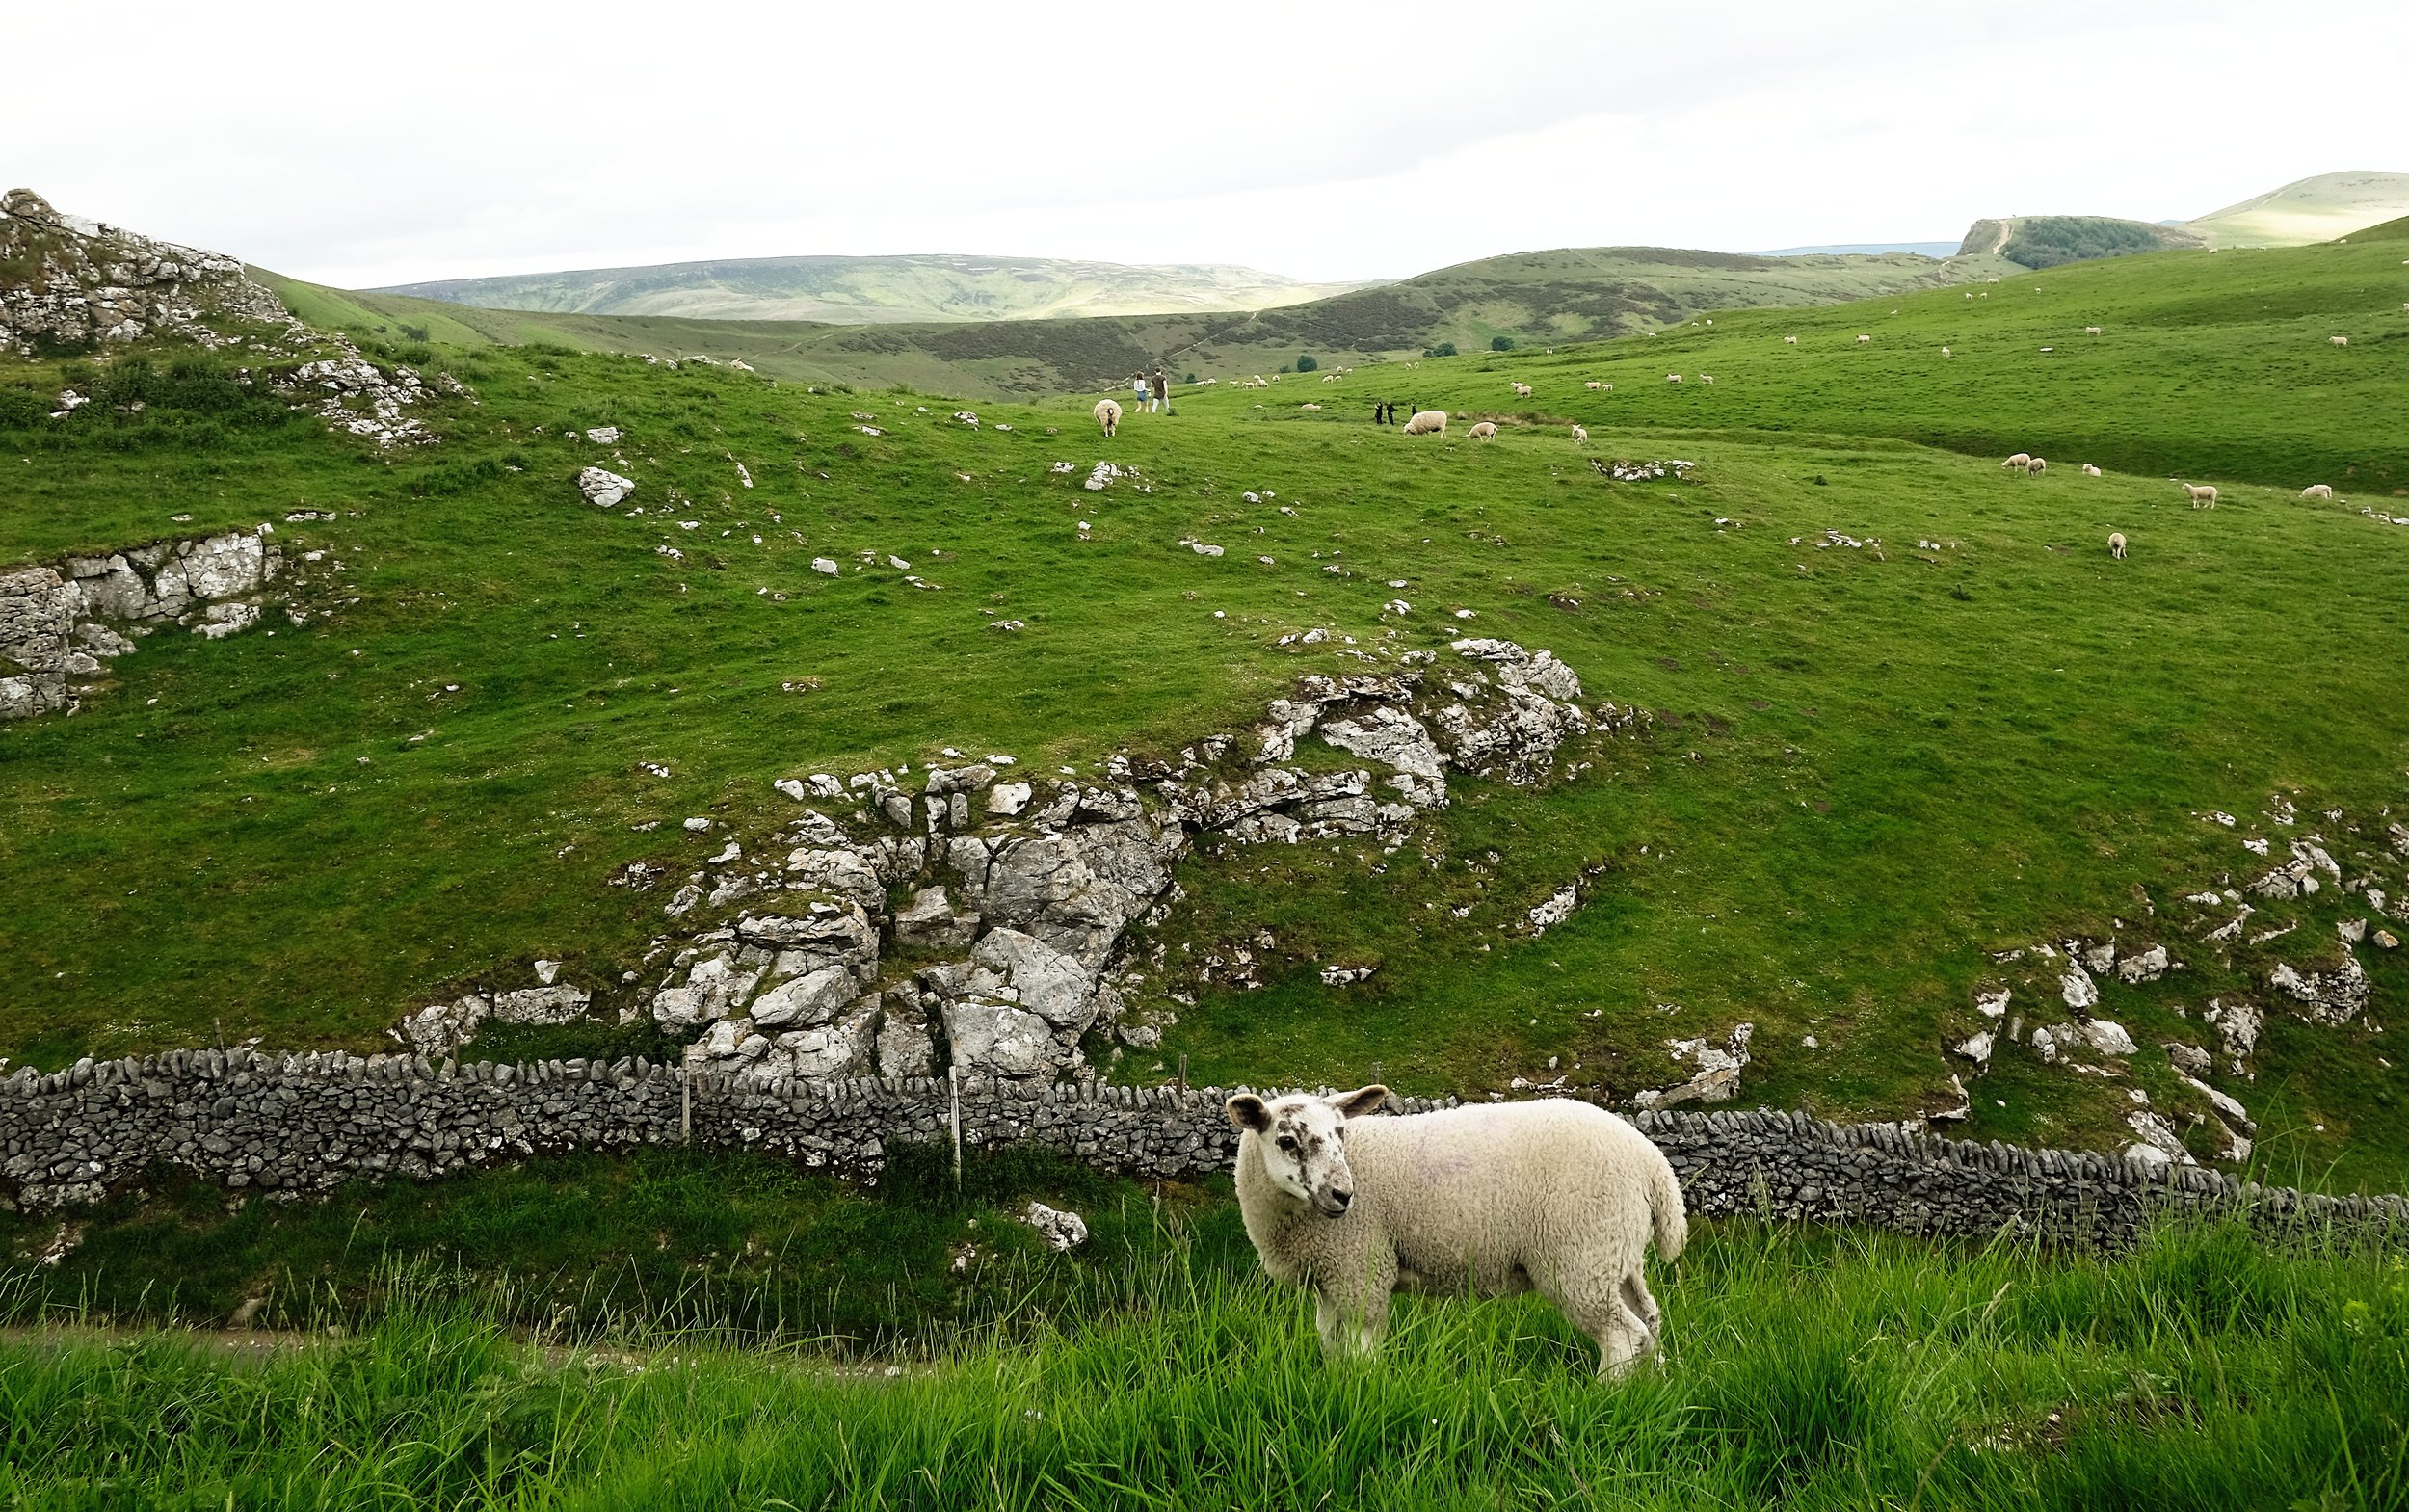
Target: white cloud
(451,138)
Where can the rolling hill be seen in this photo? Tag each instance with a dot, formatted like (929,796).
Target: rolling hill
(879,290)
(2316,209)
(1533,299)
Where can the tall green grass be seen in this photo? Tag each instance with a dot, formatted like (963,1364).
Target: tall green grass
(1804,1369)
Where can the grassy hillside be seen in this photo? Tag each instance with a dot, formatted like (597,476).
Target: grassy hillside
(1534,299)
(1803,1370)
(2048,241)
(2316,209)
(878,290)
(1870,767)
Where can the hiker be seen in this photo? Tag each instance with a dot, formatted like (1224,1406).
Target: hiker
(1163,389)
(1137,389)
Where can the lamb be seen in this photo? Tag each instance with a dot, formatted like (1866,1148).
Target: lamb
(1863,340)
(1672,377)
(2319,490)
(2089,471)
(1426,422)
(1705,378)
(1790,341)
(1553,1196)
(1522,390)
(1484,431)
(2339,342)
(2035,467)
(2016,461)
(1108,414)
(2116,545)
(1592,384)
(2090,331)
(1581,434)
(2203,496)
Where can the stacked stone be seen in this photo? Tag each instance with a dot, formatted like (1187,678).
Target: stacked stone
(307,1124)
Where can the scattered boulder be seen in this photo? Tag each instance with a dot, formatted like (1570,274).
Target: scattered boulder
(602,486)
(1063,1230)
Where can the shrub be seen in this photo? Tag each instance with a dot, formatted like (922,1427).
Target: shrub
(1307,363)
(1443,348)
(1500,343)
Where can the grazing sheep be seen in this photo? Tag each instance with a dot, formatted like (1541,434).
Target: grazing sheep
(1944,352)
(2339,342)
(2013,464)
(1593,383)
(2116,545)
(2319,490)
(1672,377)
(1484,431)
(1553,1196)
(1705,378)
(1790,341)
(1581,434)
(2035,467)
(2090,331)
(1862,340)
(1427,422)
(1522,390)
(2089,471)
(2203,496)
(1108,414)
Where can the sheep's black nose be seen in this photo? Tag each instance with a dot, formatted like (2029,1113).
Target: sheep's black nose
(1342,1199)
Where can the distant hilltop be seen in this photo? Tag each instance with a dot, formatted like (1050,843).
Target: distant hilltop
(2320,209)
(857,291)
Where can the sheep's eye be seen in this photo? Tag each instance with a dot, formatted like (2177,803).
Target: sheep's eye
(1286,1142)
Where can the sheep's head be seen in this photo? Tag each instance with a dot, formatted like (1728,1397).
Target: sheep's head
(1303,1141)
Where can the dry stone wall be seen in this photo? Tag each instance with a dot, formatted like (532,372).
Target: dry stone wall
(298,1124)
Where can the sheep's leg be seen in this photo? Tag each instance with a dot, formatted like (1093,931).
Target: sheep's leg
(1643,1305)
(1351,1324)
(1597,1306)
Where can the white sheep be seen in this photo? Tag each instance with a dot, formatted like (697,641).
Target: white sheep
(1592,384)
(1863,340)
(1581,434)
(1427,422)
(2089,471)
(2035,467)
(1108,414)
(1552,1196)
(1672,377)
(1705,378)
(2090,331)
(1944,352)
(1522,390)
(2116,545)
(1484,431)
(1790,341)
(2319,490)
(2203,496)
(2339,342)
(2016,462)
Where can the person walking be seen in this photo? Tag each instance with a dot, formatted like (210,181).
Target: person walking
(1137,389)
(1163,389)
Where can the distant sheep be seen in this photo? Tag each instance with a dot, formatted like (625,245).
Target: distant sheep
(1484,431)
(1522,390)
(2339,342)
(1790,341)
(2089,471)
(1672,377)
(2116,545)
(2090,331)
(1108,414)
(1863,340)
(2319,490)
(1944,352)
(1705,378)
(2035,467)
(1553,1196)
(2203,496)
(1427,422)
(1581,434)
(2017,462)
(1593,383)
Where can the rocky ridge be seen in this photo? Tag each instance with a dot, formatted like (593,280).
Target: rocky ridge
(73,282)
(1007,956)
(61,626)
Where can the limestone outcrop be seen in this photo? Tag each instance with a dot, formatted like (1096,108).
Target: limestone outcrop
(86,283)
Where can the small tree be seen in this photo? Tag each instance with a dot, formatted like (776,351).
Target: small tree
(1307,363)
(1500,343)
(1443,348)
(1190,379)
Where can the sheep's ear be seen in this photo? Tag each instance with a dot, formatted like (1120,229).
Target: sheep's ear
(1247,1111)
(1362,1102)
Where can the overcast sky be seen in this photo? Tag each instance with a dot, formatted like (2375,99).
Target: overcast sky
(362,146)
